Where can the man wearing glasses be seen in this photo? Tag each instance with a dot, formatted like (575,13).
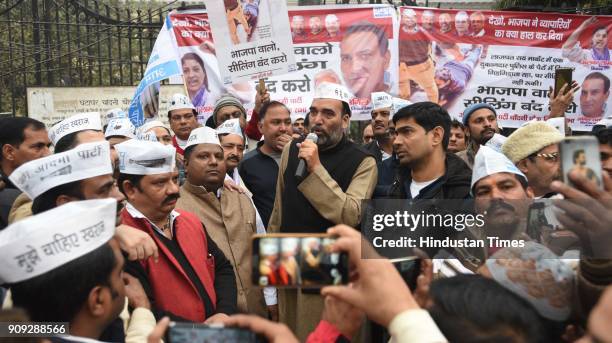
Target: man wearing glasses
(534,149)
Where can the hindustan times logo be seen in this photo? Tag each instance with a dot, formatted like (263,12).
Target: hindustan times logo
(411,221)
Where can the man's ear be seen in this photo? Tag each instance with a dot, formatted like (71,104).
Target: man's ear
(522,166)
(129,189)
(346,120)
(97,301)
(437,135)
(530,193)
(8,152)
(260,125)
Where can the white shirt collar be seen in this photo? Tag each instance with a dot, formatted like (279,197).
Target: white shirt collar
(135,213)
(181,143)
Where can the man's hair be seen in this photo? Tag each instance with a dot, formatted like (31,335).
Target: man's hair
(48,200)
(59,295)
(69,141)
(576,154)
(12,130)
(378,31)
(471,308)
(604,136)
(455,124)
(264,109)
(428,115)
(134,180)
(599,76)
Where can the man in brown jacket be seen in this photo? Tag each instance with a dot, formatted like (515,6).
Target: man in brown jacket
(229,217)
(339,175)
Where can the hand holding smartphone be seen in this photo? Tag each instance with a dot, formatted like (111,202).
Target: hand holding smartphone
(563,76)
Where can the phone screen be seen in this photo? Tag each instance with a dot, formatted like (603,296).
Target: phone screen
(297,261)
(562,76)
(200,333)
(581,155)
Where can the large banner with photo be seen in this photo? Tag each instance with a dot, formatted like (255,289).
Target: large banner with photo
(351,45)
(506,59)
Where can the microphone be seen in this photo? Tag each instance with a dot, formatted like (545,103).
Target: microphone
(300,171)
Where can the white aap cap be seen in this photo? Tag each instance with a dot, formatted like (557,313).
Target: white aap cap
(46,241)
(144,128)
(76,123)
(147,137)
(203,135)
(120,127)
(328,90)
(381,100)
(488,162)
(496,142)
(230,126)
(297,116)
(179,102)
(139,157)
(83,162)
(115,113)
(399,103)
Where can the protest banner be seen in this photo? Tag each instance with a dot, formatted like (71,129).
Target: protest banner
(506,59)
(350,45)
(250,45)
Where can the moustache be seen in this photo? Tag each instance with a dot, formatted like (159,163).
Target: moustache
(499,204)
(170,198)
(233,158)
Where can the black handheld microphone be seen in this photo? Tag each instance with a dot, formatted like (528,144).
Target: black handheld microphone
(300,171)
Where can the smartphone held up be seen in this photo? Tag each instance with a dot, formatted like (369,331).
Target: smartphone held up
(295,260)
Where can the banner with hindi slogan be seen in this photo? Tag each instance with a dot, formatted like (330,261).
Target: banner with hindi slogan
(506,59)
(250,45)
(351,45)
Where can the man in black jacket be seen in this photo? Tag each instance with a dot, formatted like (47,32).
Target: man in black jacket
(427,170)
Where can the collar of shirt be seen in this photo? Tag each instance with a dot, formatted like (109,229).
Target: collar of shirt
(137,214)
(384,153)
(181,142)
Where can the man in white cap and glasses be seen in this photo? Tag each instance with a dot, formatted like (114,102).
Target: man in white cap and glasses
(77,129)
(192,279)
(65,266)
(229,217)
(183,119)
(320,185)
(534,149)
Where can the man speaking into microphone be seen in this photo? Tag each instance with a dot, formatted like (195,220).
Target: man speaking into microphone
(338,175)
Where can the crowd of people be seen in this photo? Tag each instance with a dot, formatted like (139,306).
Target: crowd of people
(119,230)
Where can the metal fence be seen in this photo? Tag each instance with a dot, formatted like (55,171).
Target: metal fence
(72,43)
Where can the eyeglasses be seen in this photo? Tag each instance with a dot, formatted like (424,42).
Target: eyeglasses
(230,146)
(552,157)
